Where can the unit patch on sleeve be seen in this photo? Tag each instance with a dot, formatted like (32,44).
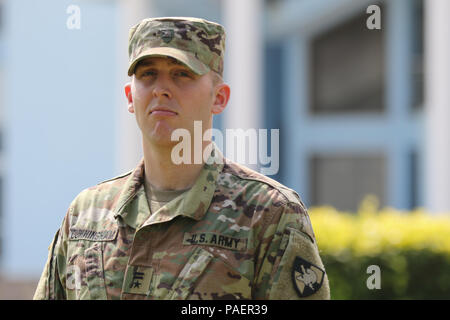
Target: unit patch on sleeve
(307,277)
(215,239)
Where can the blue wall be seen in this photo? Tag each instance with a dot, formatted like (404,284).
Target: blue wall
(59,108)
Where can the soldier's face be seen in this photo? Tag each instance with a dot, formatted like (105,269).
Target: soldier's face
(166,95)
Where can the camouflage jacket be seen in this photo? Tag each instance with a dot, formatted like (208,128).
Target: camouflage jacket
(236,234)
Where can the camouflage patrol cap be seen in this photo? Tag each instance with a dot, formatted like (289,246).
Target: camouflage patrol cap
(197,43)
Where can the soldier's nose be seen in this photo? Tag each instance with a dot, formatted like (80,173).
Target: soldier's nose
(161,92)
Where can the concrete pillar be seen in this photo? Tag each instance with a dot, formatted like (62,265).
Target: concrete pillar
(244,64)
(437,105)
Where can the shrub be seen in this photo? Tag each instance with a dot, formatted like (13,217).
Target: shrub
(412,250)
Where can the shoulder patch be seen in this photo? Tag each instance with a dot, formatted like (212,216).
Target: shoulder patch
(307,277)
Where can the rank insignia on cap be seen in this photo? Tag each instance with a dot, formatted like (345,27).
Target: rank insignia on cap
(307,277)
(166,35)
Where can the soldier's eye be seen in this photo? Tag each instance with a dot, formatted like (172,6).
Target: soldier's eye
(183,73)
(148,73)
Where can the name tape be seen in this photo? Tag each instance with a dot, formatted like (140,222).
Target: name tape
(215,239)
(92,235)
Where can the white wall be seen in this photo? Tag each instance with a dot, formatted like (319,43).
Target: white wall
(437,106)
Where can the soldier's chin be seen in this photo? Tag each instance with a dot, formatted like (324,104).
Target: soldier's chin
(160,138)
(163,141)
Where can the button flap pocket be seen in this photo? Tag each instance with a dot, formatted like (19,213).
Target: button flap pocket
(194,267)
(94,272)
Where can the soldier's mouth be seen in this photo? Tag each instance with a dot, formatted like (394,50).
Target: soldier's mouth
(162,111)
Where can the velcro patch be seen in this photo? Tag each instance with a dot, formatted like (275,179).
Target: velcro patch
(215,239)
(307,277)
(92,235)
(137,280)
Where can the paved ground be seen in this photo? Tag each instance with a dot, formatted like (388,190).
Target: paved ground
(17,289)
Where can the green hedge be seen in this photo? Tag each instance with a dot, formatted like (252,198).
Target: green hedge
(412,250)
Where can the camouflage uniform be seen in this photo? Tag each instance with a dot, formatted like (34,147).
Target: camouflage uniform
(236,234)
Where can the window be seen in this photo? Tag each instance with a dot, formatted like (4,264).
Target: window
(417,54)
(343,180)
(347,68)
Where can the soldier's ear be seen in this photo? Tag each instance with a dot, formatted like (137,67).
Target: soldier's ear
(129,97)
(221,97)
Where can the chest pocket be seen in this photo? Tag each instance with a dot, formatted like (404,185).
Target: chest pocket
(203,276)
(95,277)
(189,275)
(208,277)
(85,276)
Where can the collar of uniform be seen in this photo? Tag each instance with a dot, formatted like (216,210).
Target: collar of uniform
(193,203)
(196,201)
(133,188)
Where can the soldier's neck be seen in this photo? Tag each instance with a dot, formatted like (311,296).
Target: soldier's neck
(164,173)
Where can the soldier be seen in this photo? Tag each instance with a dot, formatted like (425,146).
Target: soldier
(208,230)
